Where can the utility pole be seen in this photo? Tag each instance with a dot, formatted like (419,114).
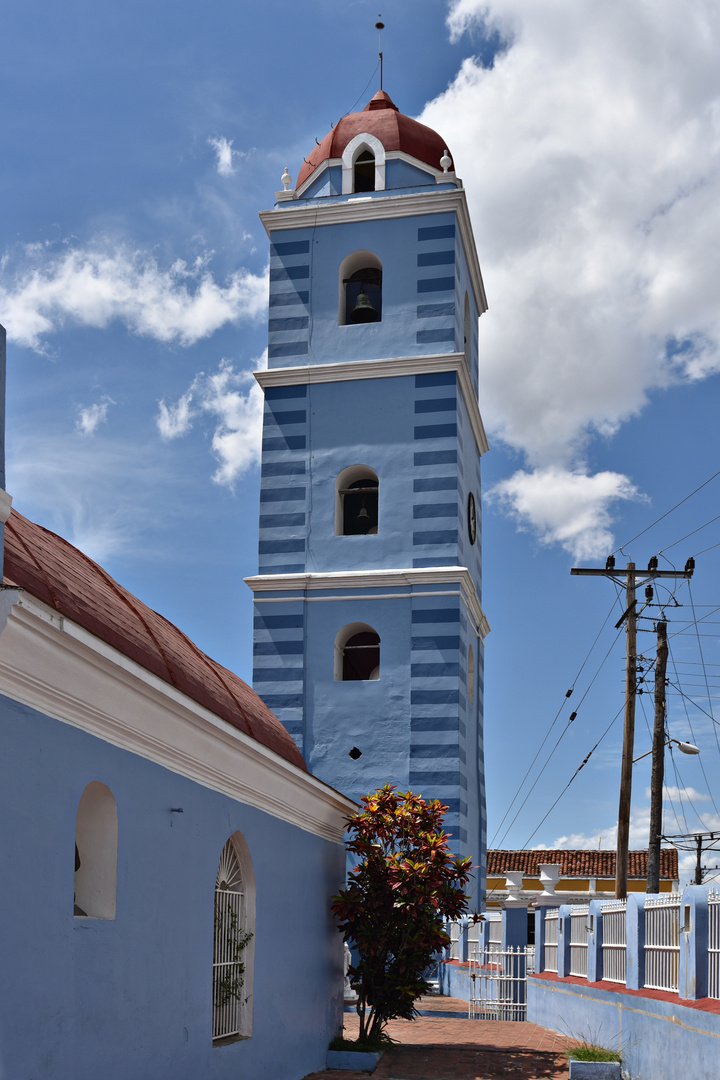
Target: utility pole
(623,833)
(658,762)
(696,843)
(632,580)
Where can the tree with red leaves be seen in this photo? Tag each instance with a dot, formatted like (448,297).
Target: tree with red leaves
(405,883)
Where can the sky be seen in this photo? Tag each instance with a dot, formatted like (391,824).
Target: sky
(139,143)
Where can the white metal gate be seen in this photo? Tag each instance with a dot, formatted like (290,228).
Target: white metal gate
(498,983)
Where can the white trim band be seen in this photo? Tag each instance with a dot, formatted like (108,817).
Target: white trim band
(373,579)
(392,367)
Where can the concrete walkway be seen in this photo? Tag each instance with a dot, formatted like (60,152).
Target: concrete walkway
(442,1044)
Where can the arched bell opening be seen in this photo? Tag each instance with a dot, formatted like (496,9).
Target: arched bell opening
(360,289)
(357,653)
(356,502)
(364,171)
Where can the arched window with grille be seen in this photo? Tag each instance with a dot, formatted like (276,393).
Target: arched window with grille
(356,501)
(233,943)
(96,840)
(357,653)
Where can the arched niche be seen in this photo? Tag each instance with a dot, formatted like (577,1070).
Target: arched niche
(357,653)
(233,943)
(356,501)
(96,838)
(361,146)
(360,272)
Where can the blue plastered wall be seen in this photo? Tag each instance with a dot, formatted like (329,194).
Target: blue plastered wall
(131,997)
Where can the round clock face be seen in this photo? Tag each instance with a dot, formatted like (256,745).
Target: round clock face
(472,518)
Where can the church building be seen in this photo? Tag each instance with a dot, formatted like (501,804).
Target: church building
(167,862)
(369,628)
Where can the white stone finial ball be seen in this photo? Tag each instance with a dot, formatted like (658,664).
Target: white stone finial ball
(286,179)
(445,161)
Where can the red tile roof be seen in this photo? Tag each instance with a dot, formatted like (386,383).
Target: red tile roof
(381,118)
(55,572)
(579,863)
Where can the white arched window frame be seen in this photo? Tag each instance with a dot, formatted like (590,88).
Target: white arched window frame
(354,474)
(96,839)
(356,260)
(343,638)
(353,150)
(233,943)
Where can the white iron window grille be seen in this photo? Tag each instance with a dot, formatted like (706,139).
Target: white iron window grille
(614,945)
(579,940)
(551,939)
(714,944)
(662,943)
(229,940)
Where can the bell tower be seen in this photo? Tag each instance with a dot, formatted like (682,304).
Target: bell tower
(369,631)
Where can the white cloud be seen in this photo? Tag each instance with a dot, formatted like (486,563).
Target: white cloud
(225,154)
(564,507)
(91,416)
(41,290)
(175,420)
(590,152)
(235,401)
(91,496)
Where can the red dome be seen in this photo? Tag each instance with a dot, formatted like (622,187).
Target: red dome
(380,118)
(57,573)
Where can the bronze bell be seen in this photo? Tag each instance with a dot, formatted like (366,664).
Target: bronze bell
(363,311)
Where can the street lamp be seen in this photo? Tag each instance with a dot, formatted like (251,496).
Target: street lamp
(656,786)
(686,747)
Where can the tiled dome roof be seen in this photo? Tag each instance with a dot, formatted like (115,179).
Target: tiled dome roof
(54,571)
(380,118)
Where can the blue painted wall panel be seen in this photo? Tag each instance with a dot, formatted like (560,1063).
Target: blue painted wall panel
(131,997)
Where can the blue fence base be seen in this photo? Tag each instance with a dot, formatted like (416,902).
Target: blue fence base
(659,1037)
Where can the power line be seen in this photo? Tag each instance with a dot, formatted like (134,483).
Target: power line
(549,731)
(666,514)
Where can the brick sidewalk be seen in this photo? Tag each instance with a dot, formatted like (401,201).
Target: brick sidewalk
(441,1047)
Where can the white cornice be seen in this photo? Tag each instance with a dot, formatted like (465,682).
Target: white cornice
(298,215)
(55,666)
(385,369)
(373,579)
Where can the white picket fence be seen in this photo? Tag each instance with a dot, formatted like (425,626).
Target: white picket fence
(714,944)
(579,940)
(614,944)
(662,943)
